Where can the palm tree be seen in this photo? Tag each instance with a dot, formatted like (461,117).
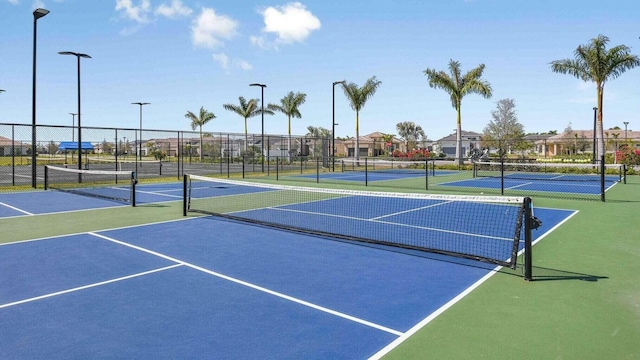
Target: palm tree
(197,121)
(457,86)
(593,62)
(318,134)
(410,132)
(388,139)
(246,109)
(289,106)
(357,97)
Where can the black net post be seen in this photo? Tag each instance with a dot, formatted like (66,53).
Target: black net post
(134,181)
(184,195)
(528,213)
(366,173)
(277,170)
(602,173)
(243,162)
(46,177)
(502,176)
(317,171)
(426,174)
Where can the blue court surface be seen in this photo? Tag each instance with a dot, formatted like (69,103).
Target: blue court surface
(52,201)
(549,185)
(206,287)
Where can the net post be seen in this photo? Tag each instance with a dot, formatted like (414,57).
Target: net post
(134,181)
(528,213)
(502,176)
(624,173)
(366,173)
(184,195)
(426,173)
(46,177)
(243,162)
(602,171)
(277,170)
(317,170)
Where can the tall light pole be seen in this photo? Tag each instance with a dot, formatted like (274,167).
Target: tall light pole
(73,125)
(37,14)
(625,130)
(141,104)
(262,86)
(595,117)
(333,124)
(78,56)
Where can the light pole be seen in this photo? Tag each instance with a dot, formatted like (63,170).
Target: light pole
(262,86)
(625,130)
(333,125)
(595,118)
(37,14)
(73,125)
(78,56)
(141,104)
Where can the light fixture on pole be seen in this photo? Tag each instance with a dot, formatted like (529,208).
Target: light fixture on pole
(262,86)
(333,124)
(139,156)
(595,118)
(37,14)
(78,56)
(625,130)
(73,125)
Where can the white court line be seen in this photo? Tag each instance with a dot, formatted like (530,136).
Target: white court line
(252,286)
(15,208)
(88,286)
(384,351)
(411,210)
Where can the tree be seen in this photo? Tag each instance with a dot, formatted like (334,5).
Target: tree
(318,134)
(592,62)
(411,133)
(197,121)
(246,109)
(289,106)
(357,97)
(504,128)
(387,138)
(457,86)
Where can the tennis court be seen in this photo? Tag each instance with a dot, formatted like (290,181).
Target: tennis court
(209,287)
(577,185)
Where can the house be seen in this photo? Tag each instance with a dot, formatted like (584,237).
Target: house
(10,147)
(581,141)
(447,145)
(370,145)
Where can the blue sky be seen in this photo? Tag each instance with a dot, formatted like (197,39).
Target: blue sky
(180,55)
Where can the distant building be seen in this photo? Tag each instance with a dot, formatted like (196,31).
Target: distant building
(447,144)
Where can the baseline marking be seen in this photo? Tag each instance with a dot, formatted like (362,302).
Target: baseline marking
(15,208)
(252,286)
(88,286)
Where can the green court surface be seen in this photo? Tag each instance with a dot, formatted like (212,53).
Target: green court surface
(584,302)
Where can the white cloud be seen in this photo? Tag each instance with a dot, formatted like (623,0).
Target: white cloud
(14,2)
(36,4)
(242,64)
(291,23)
(227,64)
(209,29)
(223,59)
(174,10)
(136,13)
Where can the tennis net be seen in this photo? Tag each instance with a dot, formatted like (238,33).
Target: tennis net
(550,171)
(112,185)
(409,167)
(485,228)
